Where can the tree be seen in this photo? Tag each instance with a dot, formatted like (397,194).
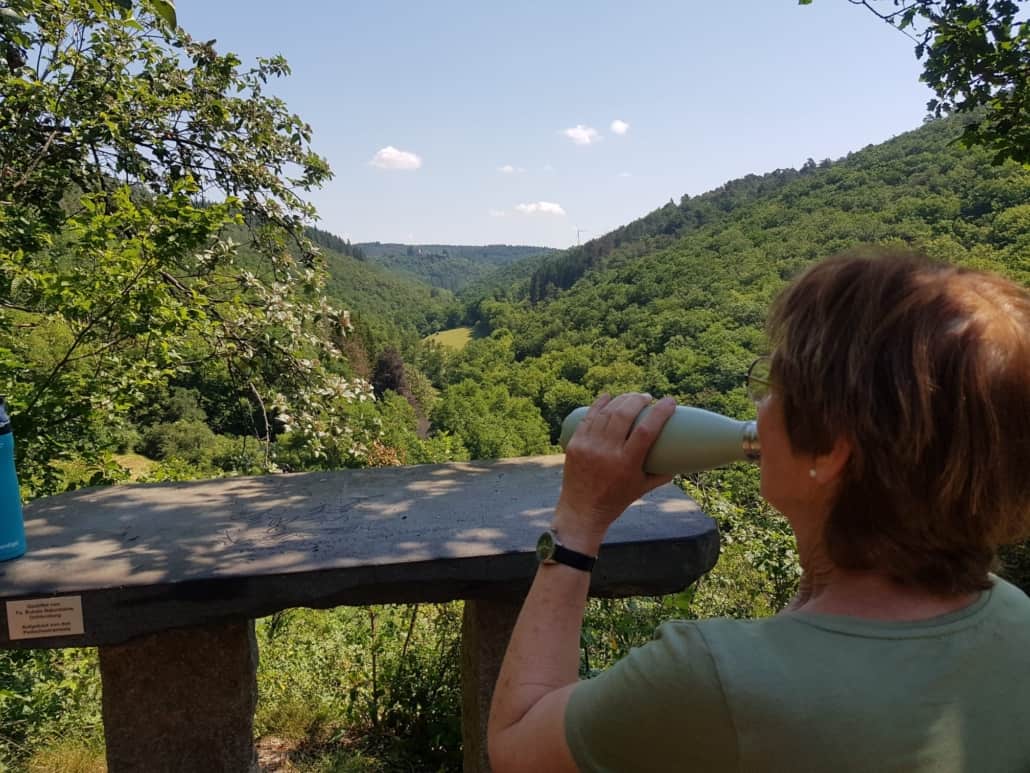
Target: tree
(389,373)
(976,57)
(489,422)
(151,219)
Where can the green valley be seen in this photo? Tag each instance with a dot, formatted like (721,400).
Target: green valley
(170,312)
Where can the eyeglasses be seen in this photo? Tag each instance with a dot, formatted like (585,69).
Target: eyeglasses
(758,379)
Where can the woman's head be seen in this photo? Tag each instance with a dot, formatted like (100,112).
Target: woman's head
(923,370)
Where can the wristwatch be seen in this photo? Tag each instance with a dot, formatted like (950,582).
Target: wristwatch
(550,551)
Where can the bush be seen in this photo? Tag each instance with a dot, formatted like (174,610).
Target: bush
(241,455)
(400,432)
(174,470)
(103,470)
(490,422)
(332,443)
(421,389)
(191,441)
(759,569)
(47,695)
(387,675)
(122,437)
(1015,560)
(184,405)
(441,447)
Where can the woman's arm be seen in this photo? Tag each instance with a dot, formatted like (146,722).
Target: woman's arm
(603,475)
(541,666)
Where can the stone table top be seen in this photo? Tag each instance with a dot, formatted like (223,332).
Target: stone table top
(146,557)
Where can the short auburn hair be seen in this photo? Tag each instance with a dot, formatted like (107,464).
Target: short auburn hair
(925,369)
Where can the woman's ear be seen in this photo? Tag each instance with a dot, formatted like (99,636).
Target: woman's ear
(828,467)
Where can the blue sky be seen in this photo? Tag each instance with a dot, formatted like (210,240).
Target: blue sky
(488,122)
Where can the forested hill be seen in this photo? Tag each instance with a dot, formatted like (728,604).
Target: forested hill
(547,275)
(448,266)
(331,241)
(882,171)
(390,308)
(674,303)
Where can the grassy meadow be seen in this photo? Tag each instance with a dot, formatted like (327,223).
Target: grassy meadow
(457,338)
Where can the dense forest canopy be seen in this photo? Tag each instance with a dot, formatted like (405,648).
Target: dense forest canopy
(447,266)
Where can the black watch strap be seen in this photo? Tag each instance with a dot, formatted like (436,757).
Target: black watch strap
(550,551)
(575,559)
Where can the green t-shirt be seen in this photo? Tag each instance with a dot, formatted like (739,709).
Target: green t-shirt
(802,692)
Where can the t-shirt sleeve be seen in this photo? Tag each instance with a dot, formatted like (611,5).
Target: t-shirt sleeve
(660,708)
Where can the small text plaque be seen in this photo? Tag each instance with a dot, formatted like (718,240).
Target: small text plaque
(41,618)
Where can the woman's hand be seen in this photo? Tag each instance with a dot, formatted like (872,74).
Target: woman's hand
(604,467)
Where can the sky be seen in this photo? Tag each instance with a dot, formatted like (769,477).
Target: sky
(545,123)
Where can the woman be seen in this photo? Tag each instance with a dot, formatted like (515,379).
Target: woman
(894,419)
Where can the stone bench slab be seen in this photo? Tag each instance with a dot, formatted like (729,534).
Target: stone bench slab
(148,557)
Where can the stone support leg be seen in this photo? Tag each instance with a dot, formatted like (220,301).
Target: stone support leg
(486,629)
(181,701)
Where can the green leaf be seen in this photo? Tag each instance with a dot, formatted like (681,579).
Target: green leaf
(164,9)
(7,16)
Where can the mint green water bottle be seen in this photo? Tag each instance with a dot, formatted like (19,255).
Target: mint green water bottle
(692,439)
(12,527)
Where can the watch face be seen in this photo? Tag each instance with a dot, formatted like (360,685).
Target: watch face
(545,547)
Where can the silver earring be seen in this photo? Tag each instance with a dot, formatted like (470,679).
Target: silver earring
(811,473)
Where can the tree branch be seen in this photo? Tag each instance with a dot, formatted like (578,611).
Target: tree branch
(889,17)
(80,337)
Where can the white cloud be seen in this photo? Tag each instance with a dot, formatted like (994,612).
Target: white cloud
(392,158)
(509,169)
(582,135)
(625,174)
(619,127)
(496,213)
(540,208)
(548,168)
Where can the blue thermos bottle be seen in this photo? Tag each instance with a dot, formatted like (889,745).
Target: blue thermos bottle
(12,527)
